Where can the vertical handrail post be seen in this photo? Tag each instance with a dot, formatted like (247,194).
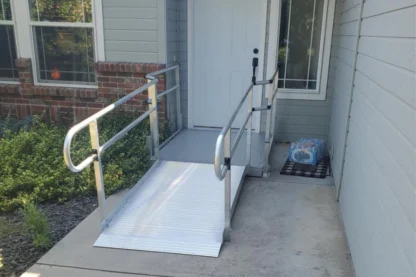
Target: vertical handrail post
(154,120)
(274,108)
(268,135)
(178,99)
(275,87)
(227,187)
(98,170)
(269,113)
(249,126)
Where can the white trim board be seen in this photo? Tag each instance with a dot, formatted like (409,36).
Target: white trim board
(271,60)
(161,31)
(99,29)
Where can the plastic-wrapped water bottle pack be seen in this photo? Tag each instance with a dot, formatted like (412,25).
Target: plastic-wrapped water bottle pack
(307,151)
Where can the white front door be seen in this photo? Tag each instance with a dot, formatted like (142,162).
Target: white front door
(224,34)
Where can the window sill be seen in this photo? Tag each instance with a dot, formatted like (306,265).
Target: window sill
(301,96)
(61,85)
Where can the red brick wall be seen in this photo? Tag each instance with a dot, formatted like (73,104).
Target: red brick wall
(69,105)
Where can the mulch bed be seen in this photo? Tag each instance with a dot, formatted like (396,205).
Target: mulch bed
(17,249)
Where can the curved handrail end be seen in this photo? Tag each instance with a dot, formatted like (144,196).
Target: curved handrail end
(217,162)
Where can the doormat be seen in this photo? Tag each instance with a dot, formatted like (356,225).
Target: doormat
(320,171)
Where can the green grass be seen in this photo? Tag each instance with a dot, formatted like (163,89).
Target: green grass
(37,225)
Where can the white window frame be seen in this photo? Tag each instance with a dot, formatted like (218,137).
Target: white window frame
(323,69)
(25,37)
(11,23)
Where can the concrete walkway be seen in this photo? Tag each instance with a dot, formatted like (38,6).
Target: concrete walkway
(283,226)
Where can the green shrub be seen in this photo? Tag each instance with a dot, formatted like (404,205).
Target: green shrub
(37,225)
(14,125)
(32,166)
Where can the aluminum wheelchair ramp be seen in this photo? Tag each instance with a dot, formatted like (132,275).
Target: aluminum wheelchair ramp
(177,208)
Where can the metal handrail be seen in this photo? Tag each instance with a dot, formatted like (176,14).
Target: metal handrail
(83,124)
(220,171)
(153,75)
(224,146)
(92,122)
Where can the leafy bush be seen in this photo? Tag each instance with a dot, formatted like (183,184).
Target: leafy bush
(37,225)
(32,165)
(14,125)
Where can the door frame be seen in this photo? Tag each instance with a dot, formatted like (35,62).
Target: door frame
(270,60)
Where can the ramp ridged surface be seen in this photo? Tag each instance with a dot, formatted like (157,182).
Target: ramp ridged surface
(178,208)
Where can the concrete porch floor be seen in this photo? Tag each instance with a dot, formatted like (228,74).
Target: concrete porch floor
(283,226)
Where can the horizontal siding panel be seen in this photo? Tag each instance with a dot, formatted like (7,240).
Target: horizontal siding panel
(381,25)
(347,42)
(398,147)
(130,3)
(302,110)
(302,120)
(129,46)
(399,182)
(400,82)
(348,29)
(130,35)
(400,114)
(129,12)
(308,130)
(378,192)
(339,114)
(130,24)
(403,193)
(399,52)
(347,5)
(290,102)
(131,56)
(346,55)
(375,223)
(351,14)
(342,83)
(294,137)
(375,7)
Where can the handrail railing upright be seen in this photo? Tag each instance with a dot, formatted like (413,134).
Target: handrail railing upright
(97,149)
(270,120)
(223,144)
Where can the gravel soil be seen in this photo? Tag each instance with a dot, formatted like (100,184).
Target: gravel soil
(17,249)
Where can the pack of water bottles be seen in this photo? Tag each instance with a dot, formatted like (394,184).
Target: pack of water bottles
(307,151)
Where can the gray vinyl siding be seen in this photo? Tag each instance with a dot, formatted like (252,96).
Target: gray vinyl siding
(183,56)
(171,30)
(297,119)
(134,30)
(378,193)
(171,55)
(347,14)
